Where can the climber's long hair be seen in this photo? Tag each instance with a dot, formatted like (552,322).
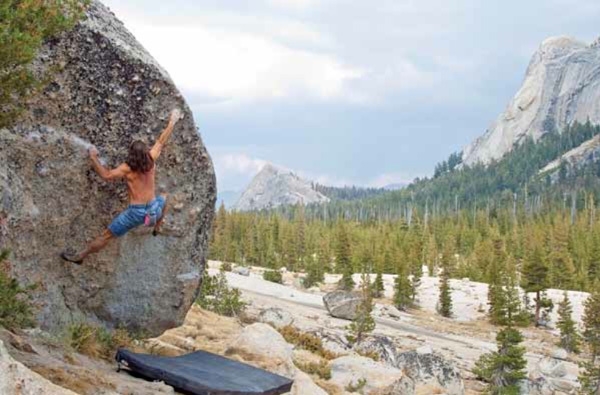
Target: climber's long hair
(139,159)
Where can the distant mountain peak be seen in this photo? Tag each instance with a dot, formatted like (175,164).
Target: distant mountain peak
(275,186)
(561,86)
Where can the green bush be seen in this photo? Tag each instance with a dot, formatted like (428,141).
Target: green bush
(216,296)
(226,266)
(15,305)
(25,25)
(273,276)
(358,387)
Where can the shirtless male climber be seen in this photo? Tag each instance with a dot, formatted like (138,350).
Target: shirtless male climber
(144,207)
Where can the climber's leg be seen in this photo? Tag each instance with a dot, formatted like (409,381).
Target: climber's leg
(99,243)
(163,199)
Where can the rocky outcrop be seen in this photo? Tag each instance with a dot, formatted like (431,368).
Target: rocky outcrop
(376,376)
(343,304)
(276,317)
(262,346)
(587,152)
(16,379)
(274,186)
(105,90)
(562,85)
(427,368)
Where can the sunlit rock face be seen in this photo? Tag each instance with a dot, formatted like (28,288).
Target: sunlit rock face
(562,85)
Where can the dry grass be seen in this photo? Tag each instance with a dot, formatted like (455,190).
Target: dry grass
(330,388)
(369,354)
(306,341)
(321,369)
(84,382)
(260,361)
(203,330)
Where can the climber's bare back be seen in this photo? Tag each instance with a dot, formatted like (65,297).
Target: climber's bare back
(141,186)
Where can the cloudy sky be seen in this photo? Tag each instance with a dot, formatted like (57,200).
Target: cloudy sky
(347,92)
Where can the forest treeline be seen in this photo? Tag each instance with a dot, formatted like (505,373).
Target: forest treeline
(476,244)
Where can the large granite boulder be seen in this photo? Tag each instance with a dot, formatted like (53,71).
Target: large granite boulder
(343,304)
(105,90)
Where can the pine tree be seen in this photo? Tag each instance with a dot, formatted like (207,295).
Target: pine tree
(591,321)
(402,289)
(569,338)
(378,287)
(314,273)
(590,373)
(343,260)
(445,298)
(504,368)
(364,322)
(535,277)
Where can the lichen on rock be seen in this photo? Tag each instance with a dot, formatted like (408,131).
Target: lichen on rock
(106,91)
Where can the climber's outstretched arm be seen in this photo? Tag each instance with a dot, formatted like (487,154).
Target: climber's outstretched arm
(105,173)
(166,133)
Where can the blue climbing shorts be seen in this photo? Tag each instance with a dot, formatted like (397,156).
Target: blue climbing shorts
(136,215)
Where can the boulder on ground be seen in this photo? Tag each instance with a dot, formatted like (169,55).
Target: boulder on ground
(241,270)
(404,386)
(343,304)
(16,379)
(560,353)
(551,367)
(105,90)
(381,346)
(261,345)
(303,385)
(350,370)
(431,369)
(276,317)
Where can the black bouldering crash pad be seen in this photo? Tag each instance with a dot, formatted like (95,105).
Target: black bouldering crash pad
(203,373)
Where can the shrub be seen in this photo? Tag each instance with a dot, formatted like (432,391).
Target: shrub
(360,384)
(83,338)
(226,266)
(216,296)
(305,341)
(321,369)
(25,25)
(16,311)
(273,276)
(97,342)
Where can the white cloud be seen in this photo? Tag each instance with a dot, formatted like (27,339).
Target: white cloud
(294,4)
(240,66)
(239,164)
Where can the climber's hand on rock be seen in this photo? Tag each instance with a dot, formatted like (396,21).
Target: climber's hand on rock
(93,152)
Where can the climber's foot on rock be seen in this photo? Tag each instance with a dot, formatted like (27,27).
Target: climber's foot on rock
(71,258)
